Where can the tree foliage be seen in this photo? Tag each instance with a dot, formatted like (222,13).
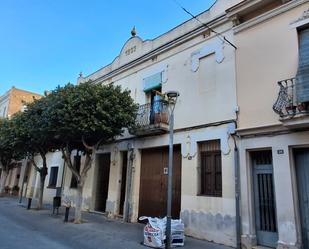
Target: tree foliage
(90,112)
(85,116)
(71,118)
(33,136)
(9,155)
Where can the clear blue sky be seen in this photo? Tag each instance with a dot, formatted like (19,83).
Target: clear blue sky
(45,43)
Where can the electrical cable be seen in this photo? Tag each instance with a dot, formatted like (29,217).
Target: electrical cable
(219,35)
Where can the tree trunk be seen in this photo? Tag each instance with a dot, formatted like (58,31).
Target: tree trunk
(4,176)
(43,173)
(78,203)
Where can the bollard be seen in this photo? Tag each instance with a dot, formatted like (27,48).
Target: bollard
(29,203)
(66,216)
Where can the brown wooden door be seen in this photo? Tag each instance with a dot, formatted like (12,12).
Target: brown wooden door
(153,182)
(102,181)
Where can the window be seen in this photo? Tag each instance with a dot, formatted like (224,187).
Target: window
(302,77)
(210,168)
(53,177)
(77,160)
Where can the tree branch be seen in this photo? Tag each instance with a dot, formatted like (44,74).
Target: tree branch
(98,144)
(35,165)
(67,158)
(87,164)
(88,147)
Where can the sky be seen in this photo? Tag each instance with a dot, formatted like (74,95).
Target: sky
(46,43)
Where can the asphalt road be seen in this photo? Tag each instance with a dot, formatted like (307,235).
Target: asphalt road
(29,229)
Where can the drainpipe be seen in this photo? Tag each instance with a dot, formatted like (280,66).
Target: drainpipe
(237,194)
(127,204)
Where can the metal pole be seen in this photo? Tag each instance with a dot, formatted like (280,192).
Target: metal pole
(126,216)
(237,197)
(170,183)
(29,203)
(66,215)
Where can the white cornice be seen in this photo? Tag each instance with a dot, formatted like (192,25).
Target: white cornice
(261,130)
(270,14)
(234,10)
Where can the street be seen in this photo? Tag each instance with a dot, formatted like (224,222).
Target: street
(27,229)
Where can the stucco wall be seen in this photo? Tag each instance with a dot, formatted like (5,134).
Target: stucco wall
(204,97)
(210,218)
(284,185)
(53,160)
(266,54)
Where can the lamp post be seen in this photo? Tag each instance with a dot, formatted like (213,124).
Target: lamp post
(172,99)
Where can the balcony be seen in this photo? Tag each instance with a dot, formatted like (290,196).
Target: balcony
(152,119)
(293,114)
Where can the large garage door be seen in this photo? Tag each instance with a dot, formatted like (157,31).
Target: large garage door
(153,183)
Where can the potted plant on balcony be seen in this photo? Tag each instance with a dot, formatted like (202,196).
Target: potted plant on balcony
(302,107)
(290,109)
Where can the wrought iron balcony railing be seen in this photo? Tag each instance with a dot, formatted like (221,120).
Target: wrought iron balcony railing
(150,114)
(287,105)
(152,117)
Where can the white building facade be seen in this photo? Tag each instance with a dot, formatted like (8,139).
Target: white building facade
(272,64)
(128,178)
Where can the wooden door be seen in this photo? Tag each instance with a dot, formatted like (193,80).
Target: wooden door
(123,181)
(302,174)
(264,199)
(103,165)
(153,182)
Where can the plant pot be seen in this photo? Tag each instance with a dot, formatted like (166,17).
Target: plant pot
(291,110)
(302,107)
(161,118)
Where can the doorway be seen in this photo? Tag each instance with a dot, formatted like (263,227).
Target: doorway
(264,199)
(153,182)
(123,181)
(103,166)
(302,175)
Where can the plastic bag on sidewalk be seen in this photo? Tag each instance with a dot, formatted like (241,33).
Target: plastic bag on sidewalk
(154,232)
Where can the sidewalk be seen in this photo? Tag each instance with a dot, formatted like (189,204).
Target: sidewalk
(97,231)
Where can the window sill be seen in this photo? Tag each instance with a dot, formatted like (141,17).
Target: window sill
(51,187)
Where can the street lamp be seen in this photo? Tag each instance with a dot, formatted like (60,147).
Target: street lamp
(172,99)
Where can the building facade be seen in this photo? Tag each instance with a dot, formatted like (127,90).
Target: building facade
(53,182)
(129,177)
(12,102)
(272,62)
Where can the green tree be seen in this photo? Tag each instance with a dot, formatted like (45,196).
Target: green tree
(85,116)
(9,155)
(33,136)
